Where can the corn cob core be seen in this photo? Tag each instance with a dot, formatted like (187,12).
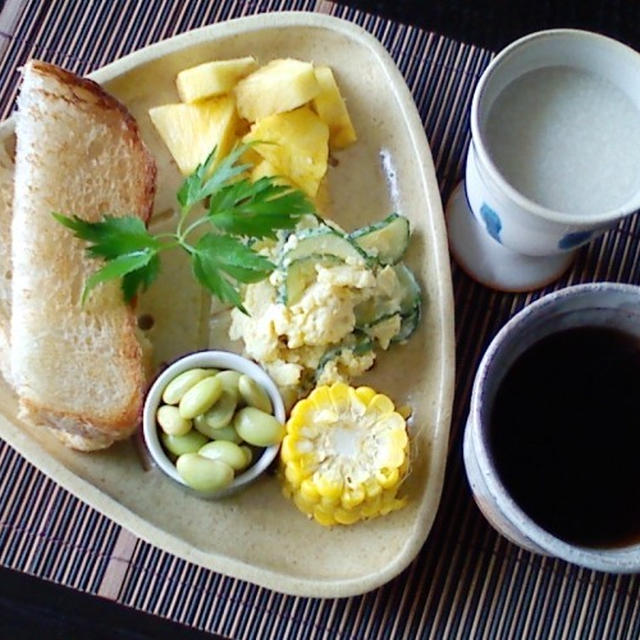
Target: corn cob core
(344,455)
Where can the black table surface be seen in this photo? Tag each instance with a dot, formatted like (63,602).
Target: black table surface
(31,607)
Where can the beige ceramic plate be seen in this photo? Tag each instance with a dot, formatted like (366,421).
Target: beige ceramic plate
(258,535)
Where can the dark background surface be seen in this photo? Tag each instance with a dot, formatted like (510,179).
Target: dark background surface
(31,607)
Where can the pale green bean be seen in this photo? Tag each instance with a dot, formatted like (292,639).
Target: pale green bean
(174,391)
(229,380)
(220,414)
(178,445)
(204,474)
(171,422)
(257,427)
(248,454)
(225,451)
(253,394)
(201,397)
(225,433)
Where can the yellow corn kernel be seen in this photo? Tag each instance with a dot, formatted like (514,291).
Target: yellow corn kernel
(343,516)
(365,394)
(353,497)
(309,491)
(288,450)
(328,487)
(294,473)
(388,478)
(324,516)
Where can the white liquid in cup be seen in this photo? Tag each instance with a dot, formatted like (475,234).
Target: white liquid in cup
(567,139)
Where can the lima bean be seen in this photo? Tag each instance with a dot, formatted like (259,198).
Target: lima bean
(253,394)
(178,445)
(174,391)
(225,451)
(171,422)
(257,427)
(204,474)
(201,397)
(229,380)
(248,454)
(220,414)
(225,433)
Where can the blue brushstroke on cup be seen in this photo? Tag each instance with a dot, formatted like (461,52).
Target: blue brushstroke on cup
(572,240)
(491,221)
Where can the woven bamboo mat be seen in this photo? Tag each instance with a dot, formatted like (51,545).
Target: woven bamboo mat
(467,582)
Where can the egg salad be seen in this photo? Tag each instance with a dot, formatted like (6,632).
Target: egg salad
(332,301)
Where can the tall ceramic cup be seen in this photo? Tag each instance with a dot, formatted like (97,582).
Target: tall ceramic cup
(602,304)
(554,158)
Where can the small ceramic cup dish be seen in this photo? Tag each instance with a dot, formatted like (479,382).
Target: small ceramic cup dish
(555,118)
(214,360)
(599,304)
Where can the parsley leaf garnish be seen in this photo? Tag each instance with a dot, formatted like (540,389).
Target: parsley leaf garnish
(221,261)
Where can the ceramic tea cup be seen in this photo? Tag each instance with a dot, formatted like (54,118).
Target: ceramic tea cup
(525,517)
(554,158)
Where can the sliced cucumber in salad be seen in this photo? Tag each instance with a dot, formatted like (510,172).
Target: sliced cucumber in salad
(300,274)
(385,241)
(378,308)
(321,242)
(358,344)
(408,325)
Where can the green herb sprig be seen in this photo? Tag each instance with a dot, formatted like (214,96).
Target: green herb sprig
(220,258)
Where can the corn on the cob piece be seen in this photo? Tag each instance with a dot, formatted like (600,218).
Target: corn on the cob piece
(345,455)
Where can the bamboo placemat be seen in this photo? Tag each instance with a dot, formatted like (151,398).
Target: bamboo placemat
(467,582)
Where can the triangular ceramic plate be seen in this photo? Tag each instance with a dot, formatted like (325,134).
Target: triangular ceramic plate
(258,535)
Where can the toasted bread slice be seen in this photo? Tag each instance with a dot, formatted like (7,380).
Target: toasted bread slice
(77,368)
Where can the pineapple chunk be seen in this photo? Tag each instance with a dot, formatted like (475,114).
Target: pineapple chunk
(301,146)
(264,169)
(213,78)
(281,85)
(191,131)
(330,106)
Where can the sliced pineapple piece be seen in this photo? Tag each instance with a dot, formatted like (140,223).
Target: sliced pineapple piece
(281,85)
(331,108)
(264,169)
(345,455)
(191,131)
(213,78)
(299,148)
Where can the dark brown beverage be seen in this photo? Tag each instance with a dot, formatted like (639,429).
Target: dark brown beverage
(565,435)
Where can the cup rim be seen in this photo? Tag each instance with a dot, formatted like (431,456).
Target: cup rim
(625,559)
(477,139)
(209,358)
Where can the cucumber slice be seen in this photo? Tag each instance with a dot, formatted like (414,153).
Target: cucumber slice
(386,241)
(370,311)
(408,326)
(301,273)
(408,298)
(412,297)
(359,344)
(323,241)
